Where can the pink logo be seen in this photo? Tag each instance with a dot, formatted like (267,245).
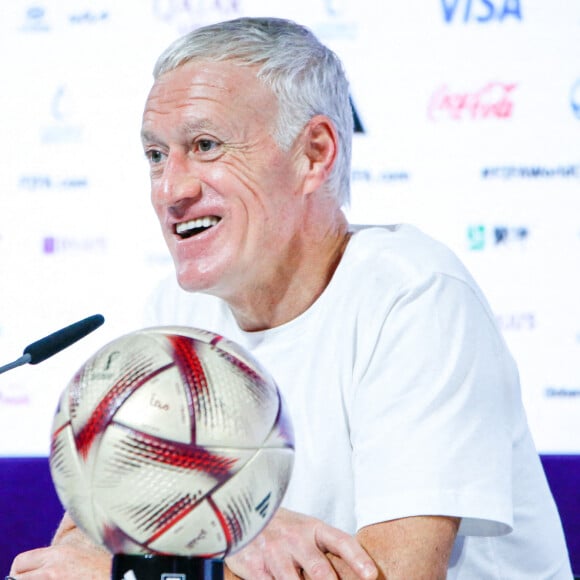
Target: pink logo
(493,101)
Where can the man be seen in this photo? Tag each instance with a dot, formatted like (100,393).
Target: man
(413,455)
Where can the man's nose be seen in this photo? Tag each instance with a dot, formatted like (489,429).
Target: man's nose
(179,182)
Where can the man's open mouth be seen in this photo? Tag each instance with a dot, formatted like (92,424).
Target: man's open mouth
(193,227)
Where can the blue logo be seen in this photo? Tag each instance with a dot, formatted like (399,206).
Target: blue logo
(43,182)
(575,98)
(506,172)
(481,237)
(366,175)
(88,17)
(60,129)
(335,25)
(480,11)
(35,19)
(476,237)
(186,15)
(562,391)
(334,7)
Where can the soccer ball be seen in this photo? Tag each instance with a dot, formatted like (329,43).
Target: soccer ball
(171,441)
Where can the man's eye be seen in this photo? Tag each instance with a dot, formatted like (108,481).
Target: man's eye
(206,145)
(154,156)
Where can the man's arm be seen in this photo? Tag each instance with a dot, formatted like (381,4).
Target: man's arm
(290,543)
(295,546)
(72,555)
(415,547)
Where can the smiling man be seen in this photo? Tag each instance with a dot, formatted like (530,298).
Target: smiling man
(215,160)
(413,455)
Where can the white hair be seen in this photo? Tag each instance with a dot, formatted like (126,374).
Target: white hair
(306,77)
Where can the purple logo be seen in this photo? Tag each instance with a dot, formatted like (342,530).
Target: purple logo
(54,245)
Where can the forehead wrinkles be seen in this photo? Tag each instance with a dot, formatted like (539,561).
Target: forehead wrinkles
(231,97)
(181,95)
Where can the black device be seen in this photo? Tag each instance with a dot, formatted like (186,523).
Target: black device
(48,346)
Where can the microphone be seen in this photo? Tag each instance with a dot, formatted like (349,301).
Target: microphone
(49,345)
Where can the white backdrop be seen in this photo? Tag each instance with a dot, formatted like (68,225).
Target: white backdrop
(470,113)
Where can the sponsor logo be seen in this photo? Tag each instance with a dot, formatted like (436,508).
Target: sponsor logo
(481,237)
(516,321)
(14,397)
(334,8)
(202,535)
(88,17)
(358,126)
(378,176)
(575,98)
(61,129)
(336,24)
(480,11)
(562,391)
(53,245)
(264,505)
(43,182)
(492,101)
(571,171)
(35,19)
(186,15)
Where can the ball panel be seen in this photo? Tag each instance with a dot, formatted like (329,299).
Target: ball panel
(234,352)
(61,415)
(198,533)
(282,434)
(149,484)
(249,499)
(108,380)
(160,407)
(121,363)
(239,409)
(117,542)
(72,482)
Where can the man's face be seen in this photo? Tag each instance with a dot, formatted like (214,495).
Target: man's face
(226,196)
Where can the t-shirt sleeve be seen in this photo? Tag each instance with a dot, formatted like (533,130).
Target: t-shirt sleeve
(432,413)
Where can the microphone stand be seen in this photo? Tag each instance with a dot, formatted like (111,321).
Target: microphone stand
(157,567)
(24,359)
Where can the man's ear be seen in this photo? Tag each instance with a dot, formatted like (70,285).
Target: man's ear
(320,150)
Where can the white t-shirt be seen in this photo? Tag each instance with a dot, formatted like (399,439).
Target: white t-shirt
(405,401)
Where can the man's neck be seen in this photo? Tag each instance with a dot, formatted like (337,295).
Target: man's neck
(298,283)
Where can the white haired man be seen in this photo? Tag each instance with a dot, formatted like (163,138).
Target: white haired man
(413,455)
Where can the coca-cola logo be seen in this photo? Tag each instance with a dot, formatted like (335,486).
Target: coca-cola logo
(492,101)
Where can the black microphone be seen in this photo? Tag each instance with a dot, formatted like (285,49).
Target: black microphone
(55,342)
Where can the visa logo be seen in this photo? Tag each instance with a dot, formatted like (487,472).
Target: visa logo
(480,10)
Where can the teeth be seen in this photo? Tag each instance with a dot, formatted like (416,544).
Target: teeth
(199,223)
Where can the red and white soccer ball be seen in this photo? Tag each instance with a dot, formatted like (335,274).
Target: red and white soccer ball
(173,441)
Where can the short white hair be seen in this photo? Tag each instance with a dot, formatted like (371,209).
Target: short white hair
(306,77)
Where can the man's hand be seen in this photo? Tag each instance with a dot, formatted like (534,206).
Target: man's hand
(295,546)
(71,556)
